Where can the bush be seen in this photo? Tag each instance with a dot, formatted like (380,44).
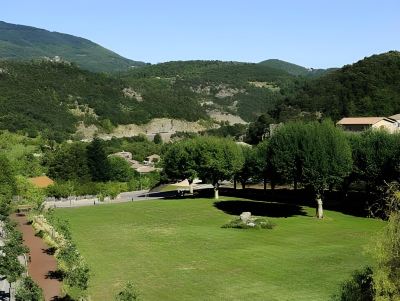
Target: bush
(259,223)
(40,233)
(129,293)
(28,291)
(358,288)
(387,254)
(120,170)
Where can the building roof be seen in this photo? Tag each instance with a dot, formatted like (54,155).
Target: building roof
(360,120)
(395,117)
(41,182)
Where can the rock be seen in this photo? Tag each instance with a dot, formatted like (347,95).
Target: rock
(251,224)
(245,216)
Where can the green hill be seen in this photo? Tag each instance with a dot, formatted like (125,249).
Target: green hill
(24,43)
(51,98)
(243,89)
(293,68)
(369,87)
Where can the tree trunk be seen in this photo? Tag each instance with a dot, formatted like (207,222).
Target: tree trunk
(191,187)
(295,184)
(216,192)
(243,185)
(319,209)
(234,183)
(265,184)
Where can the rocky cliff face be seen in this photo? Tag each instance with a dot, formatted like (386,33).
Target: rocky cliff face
(165,126)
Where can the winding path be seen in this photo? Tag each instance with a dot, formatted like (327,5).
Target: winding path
(42,264)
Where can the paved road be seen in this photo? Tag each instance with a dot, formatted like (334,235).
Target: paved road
(124,197)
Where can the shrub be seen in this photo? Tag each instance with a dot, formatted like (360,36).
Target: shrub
(358,288)
(259,223)
(129,293)
(40,233)
(387,270)
(28,291)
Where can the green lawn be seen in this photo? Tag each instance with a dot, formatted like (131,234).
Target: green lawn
(177,250)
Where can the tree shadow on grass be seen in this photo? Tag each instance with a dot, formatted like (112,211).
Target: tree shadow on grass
(258,208)
(353,203)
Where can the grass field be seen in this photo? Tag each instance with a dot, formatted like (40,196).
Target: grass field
(177,250)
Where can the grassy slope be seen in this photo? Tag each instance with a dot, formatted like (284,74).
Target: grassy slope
(176,250)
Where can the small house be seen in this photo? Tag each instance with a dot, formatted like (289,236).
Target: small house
(41,182)
(359,124)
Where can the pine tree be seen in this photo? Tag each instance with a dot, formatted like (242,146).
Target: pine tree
(97,161)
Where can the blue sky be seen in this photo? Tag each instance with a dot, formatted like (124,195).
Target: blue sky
(309,33)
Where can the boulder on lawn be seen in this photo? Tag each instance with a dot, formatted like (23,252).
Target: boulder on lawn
(245,217)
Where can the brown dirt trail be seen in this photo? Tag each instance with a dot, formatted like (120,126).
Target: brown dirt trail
(42,265)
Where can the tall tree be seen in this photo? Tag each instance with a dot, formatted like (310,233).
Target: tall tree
(375,155)
(217,159)
(69,163)
(327,158)
(120,170)
(316,154)
(179,161)
(285,154)
(97,161)
(250,166)
(211,159)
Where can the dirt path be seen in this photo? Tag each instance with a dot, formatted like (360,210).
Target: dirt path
(42,265)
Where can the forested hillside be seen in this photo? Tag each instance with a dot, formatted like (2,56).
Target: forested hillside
(50,98)
(294,69)
(242,89)
(26,42)
(369,87)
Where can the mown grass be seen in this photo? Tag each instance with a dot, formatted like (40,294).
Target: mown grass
(177,250)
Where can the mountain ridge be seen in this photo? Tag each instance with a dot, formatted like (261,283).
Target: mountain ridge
(22,42)
(295,69)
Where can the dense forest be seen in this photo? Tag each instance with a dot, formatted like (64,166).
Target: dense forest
(50,98)
(369,87)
